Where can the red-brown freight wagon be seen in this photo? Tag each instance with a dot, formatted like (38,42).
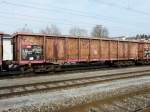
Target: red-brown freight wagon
(37,49)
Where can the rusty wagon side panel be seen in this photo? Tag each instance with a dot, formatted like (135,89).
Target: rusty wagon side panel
(49,49)
(72,49)
(55,49)
(133,50)
(28,48)
(141,51)
(84,50)
(113,50)
(126,50)
(123,50)
(94,50)
(60,47)
(105,48)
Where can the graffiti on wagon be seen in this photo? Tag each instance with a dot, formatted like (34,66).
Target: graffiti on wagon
(147,52)
(32,52)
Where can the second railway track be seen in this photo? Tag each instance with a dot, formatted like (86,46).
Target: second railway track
(66,70)
(23,89)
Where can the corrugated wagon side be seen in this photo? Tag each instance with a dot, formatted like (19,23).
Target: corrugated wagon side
(133,50)
(95,51)
(123,50)
(55,49)
(74,49)
(118,51)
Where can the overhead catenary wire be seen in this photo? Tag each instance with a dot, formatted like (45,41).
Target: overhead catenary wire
(39,20)
(123,7)
(69,23)
(73,12)
(128,7)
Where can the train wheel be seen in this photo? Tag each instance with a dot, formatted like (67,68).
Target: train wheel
(57,68)
(22,70)
(50,68)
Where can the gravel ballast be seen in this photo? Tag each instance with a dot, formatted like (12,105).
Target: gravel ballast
(59,100)
(39,79)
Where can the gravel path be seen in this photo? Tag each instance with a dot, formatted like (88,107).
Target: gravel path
(58,100)
(28,80)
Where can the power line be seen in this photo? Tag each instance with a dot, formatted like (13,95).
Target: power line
(34,19)
(123,7)
(73,12)
(37,20)
(128,8)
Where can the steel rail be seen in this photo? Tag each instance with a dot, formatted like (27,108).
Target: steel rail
(18,90)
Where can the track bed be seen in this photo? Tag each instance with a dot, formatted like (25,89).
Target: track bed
(64,100)
(69,90)
(50,78)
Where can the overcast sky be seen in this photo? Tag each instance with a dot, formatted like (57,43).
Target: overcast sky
(121,17)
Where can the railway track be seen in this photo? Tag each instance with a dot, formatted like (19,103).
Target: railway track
(19,90)
(66,70)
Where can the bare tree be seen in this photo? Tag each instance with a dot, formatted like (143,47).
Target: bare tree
(25,29)
(52,30)
(143,36)
(76,31)
(100,31)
